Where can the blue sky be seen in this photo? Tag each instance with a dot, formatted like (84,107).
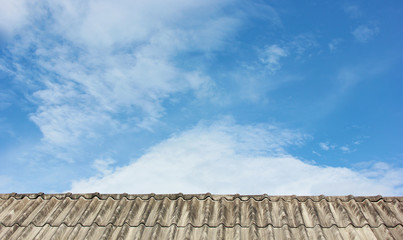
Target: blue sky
(252,97)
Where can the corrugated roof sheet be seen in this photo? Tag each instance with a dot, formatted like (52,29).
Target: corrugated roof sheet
(204,216)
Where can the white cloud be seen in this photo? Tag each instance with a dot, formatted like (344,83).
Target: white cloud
(124,22)
(271,56)
(326,146)
(227,158)
(104,166)
(13,16)
(345,149)
(316,153)
(364,33)
(101,67)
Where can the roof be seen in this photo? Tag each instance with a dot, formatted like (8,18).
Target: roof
(203,216)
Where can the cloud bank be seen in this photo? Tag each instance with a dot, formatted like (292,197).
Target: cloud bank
(224,157)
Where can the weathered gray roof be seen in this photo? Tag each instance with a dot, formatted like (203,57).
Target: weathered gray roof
(204,216)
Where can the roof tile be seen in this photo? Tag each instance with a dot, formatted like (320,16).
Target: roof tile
(201,216)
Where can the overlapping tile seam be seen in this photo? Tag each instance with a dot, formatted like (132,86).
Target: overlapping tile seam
(221,225)
(244,198)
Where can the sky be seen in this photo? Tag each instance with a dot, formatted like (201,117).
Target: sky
(221,96)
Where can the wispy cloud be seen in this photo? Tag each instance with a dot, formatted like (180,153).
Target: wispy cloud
(6,98)
(298,47)
(13,16)
(334,43)
(364,33)
(302,43)
(345,149)
(104,67)
(345,80)
(316,153)
(324,146)
(271,56)
(353,11)
(226,158)
(103,166)
(265,74)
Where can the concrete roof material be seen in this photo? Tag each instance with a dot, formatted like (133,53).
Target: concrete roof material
(198,216)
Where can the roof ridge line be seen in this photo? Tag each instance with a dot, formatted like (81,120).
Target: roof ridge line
(202,226)
(187,197)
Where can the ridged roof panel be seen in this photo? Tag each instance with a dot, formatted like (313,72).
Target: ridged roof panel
(220,232)
(202,216)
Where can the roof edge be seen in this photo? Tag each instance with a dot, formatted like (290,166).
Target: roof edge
(215,197)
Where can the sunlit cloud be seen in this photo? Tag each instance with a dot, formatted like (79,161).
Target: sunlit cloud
(224,157)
